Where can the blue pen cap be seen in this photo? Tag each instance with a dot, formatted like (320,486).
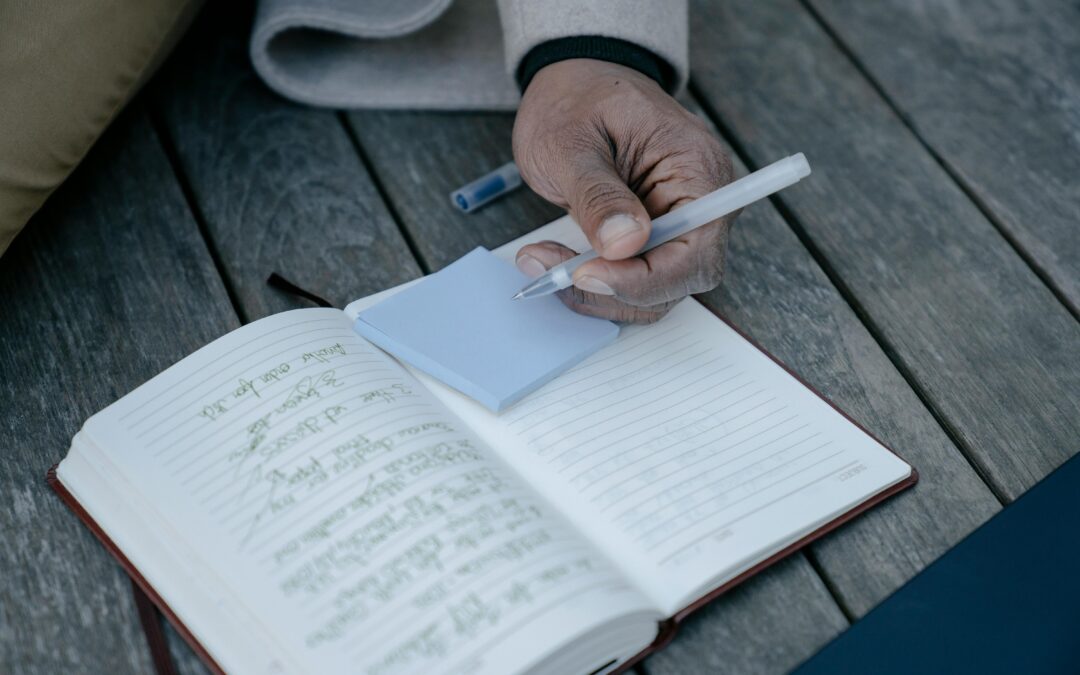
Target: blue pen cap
(487,188)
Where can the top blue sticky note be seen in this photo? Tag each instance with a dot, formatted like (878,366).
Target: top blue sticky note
(460,326)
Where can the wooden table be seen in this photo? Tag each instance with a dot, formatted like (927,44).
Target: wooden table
(926,279)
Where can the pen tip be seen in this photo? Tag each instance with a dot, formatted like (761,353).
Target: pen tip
(517,295)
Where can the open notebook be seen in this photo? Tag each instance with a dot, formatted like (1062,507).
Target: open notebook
(295,500)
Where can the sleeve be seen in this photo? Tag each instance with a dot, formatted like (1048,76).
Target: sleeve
(647,35)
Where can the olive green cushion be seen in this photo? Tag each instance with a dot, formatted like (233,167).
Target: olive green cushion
(67,67)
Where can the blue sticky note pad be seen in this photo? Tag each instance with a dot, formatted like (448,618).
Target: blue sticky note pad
(460,326)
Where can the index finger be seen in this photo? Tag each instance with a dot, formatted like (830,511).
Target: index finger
(692,263)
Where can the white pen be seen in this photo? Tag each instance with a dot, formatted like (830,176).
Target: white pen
(716,204)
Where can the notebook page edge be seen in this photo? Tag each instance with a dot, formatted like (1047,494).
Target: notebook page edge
(125,409)
(138,539)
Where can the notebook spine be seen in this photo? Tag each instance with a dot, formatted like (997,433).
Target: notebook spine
(136,577)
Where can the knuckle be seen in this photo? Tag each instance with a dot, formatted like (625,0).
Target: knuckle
(658,312)
(698,268)
(580,139)
(629,314)
(713,276)
(716,167)
(574,304)
(600,197)
(574,297)
(600,312)
(718,170)
(724,168)
(651,314)
(710,274)
(645,318)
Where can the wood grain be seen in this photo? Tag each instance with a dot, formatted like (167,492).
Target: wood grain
(986,344)
(994,89)
(776,292)
(705,640)
(184,660)
(421,157)
(109,284)
(279,186)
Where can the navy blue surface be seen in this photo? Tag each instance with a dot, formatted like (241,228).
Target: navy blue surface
(1004,600)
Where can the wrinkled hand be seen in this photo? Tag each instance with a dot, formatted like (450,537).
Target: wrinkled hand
(609,145)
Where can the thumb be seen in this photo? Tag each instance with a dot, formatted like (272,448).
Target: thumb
(609,213)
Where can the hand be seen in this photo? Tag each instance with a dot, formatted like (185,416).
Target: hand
(609,145)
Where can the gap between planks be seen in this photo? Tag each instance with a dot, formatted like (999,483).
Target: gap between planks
(169,149)
(376,181)
(853,302)
(963,185)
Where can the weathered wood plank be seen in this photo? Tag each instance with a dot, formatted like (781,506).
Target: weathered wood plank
(279,186)
(985,342)
(183,658)
(702,644)
(421,157)
(84,322)
(776,292)
(994,89)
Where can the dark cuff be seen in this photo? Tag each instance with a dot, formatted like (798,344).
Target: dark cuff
(596,47)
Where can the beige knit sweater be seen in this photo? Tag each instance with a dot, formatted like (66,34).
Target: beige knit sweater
(443,54)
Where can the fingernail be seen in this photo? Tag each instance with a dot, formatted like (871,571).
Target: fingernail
(615,228)
(593,285)
(530,266)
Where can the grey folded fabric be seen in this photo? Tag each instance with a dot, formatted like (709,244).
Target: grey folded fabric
(433,54)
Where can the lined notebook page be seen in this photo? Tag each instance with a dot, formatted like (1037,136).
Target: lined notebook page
(336,500)
(686,452)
